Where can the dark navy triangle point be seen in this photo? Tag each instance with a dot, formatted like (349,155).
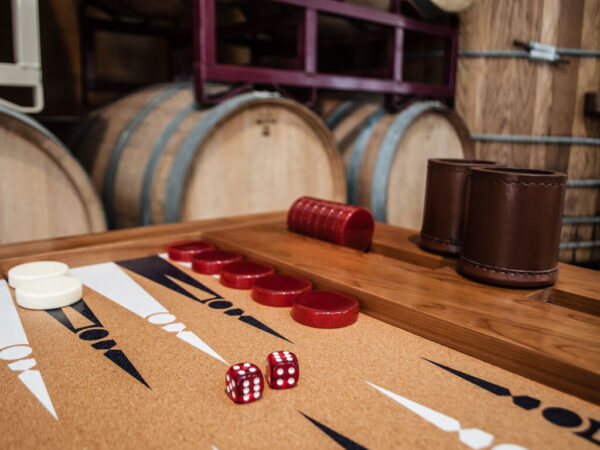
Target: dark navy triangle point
(343,441)
(160,271)
(119,358)
(490,387)
(116,356)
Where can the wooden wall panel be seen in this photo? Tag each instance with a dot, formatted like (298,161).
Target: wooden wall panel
(59,36)
(523,97)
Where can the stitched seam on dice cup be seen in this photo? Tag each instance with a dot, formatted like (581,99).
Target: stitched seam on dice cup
(517,273)
(443,241)
(521,183)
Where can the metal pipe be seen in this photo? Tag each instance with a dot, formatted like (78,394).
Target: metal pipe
(583,183)
(579,244)
(569,140)
(578,52)
(494,54)
(580,219)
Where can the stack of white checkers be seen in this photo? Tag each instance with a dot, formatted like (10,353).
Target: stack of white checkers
(44,285)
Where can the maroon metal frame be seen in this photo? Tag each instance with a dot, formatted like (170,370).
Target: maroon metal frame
(163,27)
(206,67)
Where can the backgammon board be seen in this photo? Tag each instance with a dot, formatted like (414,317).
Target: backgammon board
(434,361)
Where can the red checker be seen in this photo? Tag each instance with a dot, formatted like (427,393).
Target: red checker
(241,274)
(304,215)
(327,231)
(325,309)
(354,228)
(294,214)
(184,251)
(292,217)
(278,289)
(211,262)
(315,222)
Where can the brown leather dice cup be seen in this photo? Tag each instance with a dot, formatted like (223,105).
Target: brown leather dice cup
(512,226)
(443,213)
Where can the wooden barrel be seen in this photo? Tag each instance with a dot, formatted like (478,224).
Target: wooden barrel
(386,160)
(44,192)
(427,8)
(155,157)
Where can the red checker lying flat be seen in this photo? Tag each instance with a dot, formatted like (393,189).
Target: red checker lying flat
(278,289)
(184,251)
(241,274)
(211,262)
(325,309)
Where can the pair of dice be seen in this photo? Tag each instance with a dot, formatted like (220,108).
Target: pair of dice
(244,381)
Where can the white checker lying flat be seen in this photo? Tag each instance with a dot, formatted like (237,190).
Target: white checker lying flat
(49,293)
(36,270)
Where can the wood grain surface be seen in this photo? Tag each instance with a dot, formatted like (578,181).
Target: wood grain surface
(548,335)
(521,97)
(44,192)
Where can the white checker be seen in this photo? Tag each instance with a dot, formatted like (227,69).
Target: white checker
(49,293)
(35,271)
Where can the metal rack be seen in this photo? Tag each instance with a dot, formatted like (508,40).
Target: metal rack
(306,74)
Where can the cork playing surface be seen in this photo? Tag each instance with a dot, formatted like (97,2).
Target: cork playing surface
(140,362)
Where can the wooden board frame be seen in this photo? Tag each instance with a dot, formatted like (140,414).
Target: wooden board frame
(549,335)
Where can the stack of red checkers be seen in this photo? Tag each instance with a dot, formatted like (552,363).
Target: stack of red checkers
(184,251)
(342,224)
(320,309)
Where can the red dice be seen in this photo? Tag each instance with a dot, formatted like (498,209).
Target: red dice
(244,383)
(282,370)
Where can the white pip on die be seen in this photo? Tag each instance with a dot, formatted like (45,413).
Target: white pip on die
(282,370)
